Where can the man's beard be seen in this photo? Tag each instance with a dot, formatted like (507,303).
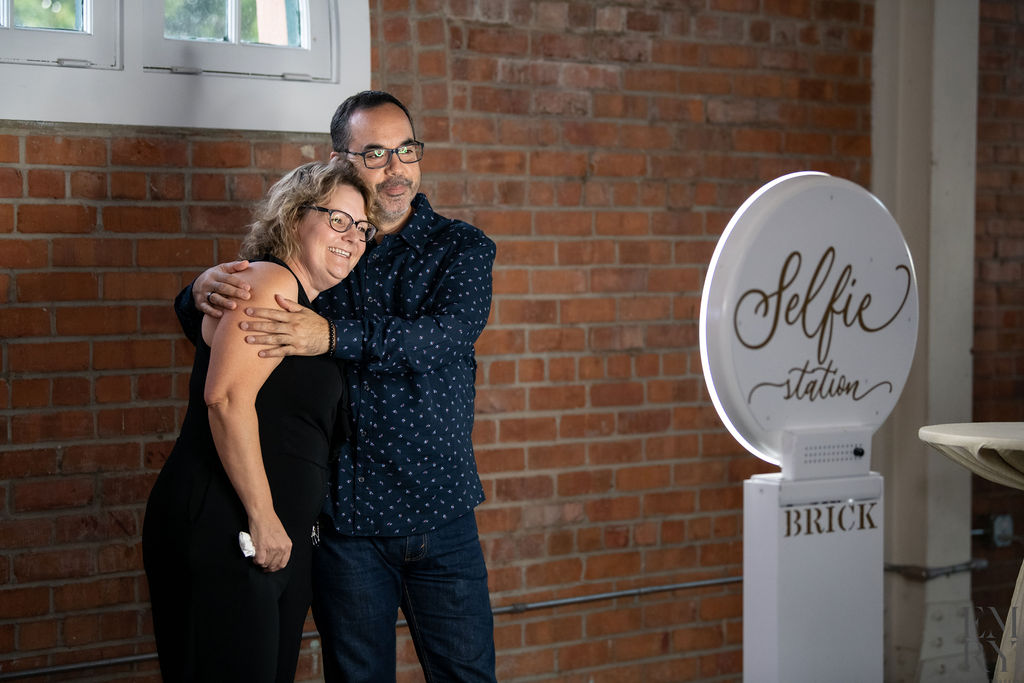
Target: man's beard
(391,210)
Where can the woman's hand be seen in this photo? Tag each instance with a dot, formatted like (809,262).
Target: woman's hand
(217,288)
(273,546)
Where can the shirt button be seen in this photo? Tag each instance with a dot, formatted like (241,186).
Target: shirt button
(360,480)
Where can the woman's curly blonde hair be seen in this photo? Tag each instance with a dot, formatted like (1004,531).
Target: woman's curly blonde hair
(274,230)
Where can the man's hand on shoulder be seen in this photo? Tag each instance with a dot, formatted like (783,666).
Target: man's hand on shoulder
(293,331)
(217,288)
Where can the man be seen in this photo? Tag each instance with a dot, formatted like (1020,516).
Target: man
(398,528)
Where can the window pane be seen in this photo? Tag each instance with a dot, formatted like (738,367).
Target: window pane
(65,15)
(271,22)
(196,19)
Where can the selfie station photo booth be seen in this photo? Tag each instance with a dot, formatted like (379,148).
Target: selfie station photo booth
(808,325)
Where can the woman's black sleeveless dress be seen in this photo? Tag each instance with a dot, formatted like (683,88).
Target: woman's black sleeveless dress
(217,616)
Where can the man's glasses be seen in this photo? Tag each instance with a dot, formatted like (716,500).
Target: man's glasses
(341,222)
(381,157)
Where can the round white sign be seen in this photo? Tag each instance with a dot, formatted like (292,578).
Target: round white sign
(809,313)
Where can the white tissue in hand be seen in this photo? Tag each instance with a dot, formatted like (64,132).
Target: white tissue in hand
(245,543)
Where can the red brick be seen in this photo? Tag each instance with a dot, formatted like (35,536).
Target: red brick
(673,503)
(528,312)
(9,149)
(556,339)
(149,152)
(18,603)
(524,488)
(19,464)
(153,386)
(500,400)
(37,635)
(89,251)
(128,185)
(65,151)
(617,394)
(11,182)
(56,286)
(80,630)
(129,354)
(718,554)
(159,320)
(88,185)
(127,489)
(119,558)
(131,421)
(166,186)
(697,638)
(612,509)
(248,187)
(555,630)
(557,398)
(24,322)
(284,156)
(716,608)
(71,391)
(230,219)
(559,456)
(585,482)
(52,494)
(101,458)
(209,187)
(133,286)
(113,389)
(142,219)
(613,565)
(97,320)
(44,427)
(46,183)
(585,655)
(25,533)
(65,563)
(6,218)
(220,154)
(563,571)
(640,478)
(527,429)
(56,218)
(86,595)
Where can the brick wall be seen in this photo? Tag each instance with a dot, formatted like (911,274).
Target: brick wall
(603,145)
(999,292)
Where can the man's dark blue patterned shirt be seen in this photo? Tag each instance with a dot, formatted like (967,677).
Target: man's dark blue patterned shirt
(407,318)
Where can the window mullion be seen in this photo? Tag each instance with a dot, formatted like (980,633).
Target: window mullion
(87,18)
(234,22)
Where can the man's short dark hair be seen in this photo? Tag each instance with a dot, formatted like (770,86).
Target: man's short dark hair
(341,132)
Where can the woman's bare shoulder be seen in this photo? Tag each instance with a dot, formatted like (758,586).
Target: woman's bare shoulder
(267,279)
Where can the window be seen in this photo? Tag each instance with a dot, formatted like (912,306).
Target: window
(60,32)
(263,38)
(238,64)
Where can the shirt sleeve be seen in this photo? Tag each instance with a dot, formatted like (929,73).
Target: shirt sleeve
(189,317)
(452,317)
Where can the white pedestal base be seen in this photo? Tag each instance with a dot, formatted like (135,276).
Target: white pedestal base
(812,579)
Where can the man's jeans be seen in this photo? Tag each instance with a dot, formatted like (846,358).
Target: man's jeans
(437,578)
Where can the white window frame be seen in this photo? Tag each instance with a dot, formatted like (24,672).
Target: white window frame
(134,92)
(96,45)
(271,61)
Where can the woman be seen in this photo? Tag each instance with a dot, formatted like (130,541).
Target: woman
(252,454)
